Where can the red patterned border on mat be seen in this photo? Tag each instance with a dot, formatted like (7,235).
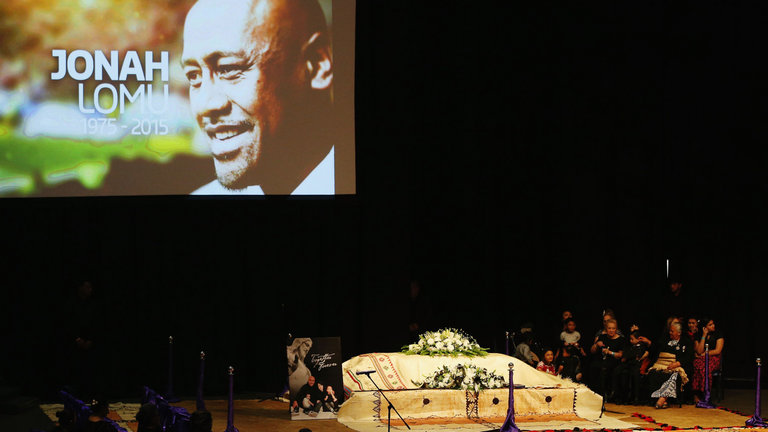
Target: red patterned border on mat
(352,377)
(376,359)
(733,411)
(666,427)
(662,426)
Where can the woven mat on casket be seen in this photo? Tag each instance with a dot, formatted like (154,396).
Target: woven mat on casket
(547,402)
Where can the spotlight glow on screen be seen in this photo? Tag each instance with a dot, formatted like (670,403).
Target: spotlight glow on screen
(176,97)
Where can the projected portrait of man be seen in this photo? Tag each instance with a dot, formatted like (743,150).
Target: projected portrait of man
(260,75)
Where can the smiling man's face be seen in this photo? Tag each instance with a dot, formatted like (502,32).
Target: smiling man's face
(235,74)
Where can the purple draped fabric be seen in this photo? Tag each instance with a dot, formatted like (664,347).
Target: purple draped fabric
(706,402)
(231,408)
(756,420)
(172,418)
(509,423)
(169,396)
(200,406)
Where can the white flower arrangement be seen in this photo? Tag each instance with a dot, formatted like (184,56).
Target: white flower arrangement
(449,341)
(460,377)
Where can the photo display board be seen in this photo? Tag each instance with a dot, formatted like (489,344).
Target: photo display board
(146,97)
(314,378)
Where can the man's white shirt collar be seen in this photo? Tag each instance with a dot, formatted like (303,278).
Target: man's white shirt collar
(320,181)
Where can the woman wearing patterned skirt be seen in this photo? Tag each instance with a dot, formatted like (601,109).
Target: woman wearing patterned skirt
(716,341)
(669,369)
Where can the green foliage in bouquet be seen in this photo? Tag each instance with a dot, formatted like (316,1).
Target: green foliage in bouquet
(449,341)
(460,377)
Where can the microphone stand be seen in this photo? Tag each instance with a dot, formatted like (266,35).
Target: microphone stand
(390,407)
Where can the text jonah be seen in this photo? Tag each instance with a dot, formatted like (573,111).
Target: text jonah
(99,67)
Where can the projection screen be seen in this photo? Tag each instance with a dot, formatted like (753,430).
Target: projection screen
(176,97)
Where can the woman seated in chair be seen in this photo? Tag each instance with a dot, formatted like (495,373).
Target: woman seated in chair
(715,340)
(670,368)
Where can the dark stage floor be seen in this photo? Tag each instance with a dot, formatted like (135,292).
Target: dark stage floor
(253,413)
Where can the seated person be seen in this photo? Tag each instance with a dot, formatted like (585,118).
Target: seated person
(671,320)
(330,402)
(568,364)
(200,421)
(569,336)
(97,420)
(672,362)
(607,316)
(716,341)
(609,349)
(692,332)
(547,364)
(310,397)
(523,350)
(66,421)
(148,418)
(306,403)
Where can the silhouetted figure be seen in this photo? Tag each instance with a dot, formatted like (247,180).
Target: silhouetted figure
(200,421)
(523,350)
(83,322)
(148,418)
(97,420)
(66,421)
(675,301)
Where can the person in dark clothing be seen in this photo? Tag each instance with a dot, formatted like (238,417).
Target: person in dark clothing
(309,398)
(675,302)
(715,340)
(568,363)
(148,418)
(330,401)
(636,358)
(609,349)
(83,320)
(66,421)
(672,366)
(692,332)
(97,421)
(200,421)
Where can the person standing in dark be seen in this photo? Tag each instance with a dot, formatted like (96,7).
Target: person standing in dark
(675,302)
(83,321)
(636,356)
(419,311)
